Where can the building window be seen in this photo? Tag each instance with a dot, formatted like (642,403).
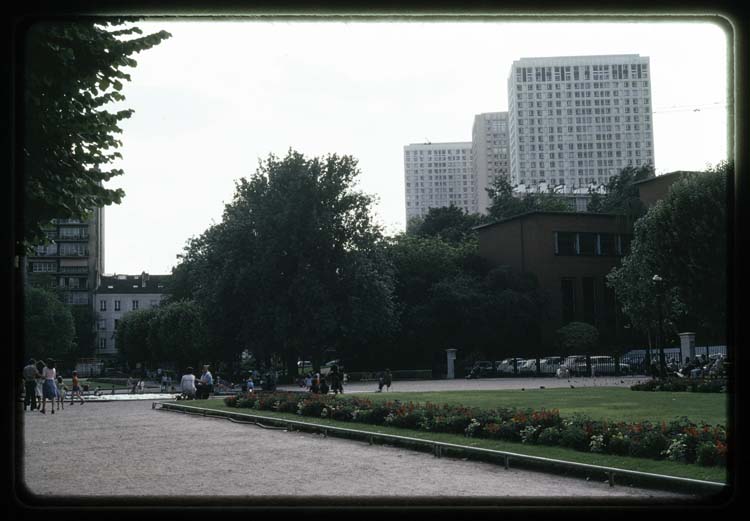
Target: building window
(103,324)
(135,305)
(102,305)
(606,244)
(117,305)
(567,289)
(565,243)
(103,343)
(589,300)
(587,244)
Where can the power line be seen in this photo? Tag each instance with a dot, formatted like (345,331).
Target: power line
(689,108)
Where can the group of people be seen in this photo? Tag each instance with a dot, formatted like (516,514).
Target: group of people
(317,383)
(701,366)
(384,380)
(200,389)
(42,383)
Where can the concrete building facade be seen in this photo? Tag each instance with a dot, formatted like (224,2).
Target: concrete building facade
(489,151)
(73,261)
(578,120)
(116,296)
(437,175)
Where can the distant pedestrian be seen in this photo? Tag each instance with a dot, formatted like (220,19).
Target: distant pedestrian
(336,385)
(49,387)
(30,377)
(387,379)
(381,382)
(40,365)
(75,389)
(315,384)
(163,383)
(250,385)
(60,393)
(308,381)
(323,385)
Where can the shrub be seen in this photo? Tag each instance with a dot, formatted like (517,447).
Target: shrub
(549,436)
(575,438)
(651,445)
(706,454)
(529,434)
(619,444)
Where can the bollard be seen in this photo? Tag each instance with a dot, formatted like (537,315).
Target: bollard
(507,462)
(153,405)
(611,479)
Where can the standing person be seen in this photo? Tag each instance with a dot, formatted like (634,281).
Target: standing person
(187,384)
(250,384)
(163,388)
(40,365)
(336,386)
(30,376)
(323,385)
(49,387)
(207,382)
(381,382)
(308,381)
(387,378)
(60,393)
(76,389)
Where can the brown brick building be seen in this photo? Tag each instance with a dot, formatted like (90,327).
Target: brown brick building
(570,254)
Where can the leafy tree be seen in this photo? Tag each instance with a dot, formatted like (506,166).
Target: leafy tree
(578,338)
(48,324)
(621,194)
(296,267)
(132,336)
(449,222)
(505,204)
(84,319)
(683,239)
(73,70)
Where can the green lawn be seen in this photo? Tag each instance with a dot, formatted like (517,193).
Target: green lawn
(612,404)
(669,468)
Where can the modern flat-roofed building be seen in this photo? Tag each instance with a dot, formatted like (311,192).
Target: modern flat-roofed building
(73,260)
(116,296)
(578,120)
(489,151)
(570,254)
(437,175)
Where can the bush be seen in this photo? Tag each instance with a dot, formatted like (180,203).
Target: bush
(618,444)
(706,454)
(549,436)
(575,438)
(652,444)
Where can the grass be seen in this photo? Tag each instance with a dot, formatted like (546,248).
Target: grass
(669,468)
(611,404)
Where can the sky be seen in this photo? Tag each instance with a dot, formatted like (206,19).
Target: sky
(217,97)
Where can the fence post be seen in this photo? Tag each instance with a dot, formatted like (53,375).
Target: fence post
(515,366)
(617,364)
(588,365)
(538,366)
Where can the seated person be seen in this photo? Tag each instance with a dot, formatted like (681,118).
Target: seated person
(187,384)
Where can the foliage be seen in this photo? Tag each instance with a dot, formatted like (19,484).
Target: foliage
(173,331)
(680,439)
(577,338)
(297,265)
(683,239)
(718,385)
(84,319)
(73,70)
(504,204)
(450,223)
(49,329)
(621,194)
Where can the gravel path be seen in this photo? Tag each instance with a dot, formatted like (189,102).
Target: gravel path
(127,449)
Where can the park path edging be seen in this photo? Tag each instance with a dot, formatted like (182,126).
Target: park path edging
(646,479)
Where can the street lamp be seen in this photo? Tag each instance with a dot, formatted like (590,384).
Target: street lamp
(658,281)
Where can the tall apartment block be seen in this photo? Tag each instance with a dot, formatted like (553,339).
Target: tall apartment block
(577,121)
(489,151)
(74,259)
(439,174)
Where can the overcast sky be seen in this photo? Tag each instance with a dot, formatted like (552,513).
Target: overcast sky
(218,96)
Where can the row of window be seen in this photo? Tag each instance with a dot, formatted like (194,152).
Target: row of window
(585,72)
(590,243)
(135,304)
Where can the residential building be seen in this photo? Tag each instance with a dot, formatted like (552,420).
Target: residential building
(437,175)
(570,254)
(73,261)
(116,296)
(489,152)
(578,120)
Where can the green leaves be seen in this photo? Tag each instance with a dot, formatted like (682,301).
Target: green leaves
(70,68)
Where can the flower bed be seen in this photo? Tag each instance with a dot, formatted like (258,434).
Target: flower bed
(718,385)
(678,440)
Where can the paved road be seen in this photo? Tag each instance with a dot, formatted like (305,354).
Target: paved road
(127,449)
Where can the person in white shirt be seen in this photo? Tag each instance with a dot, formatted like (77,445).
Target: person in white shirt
(206,385)
(187,384)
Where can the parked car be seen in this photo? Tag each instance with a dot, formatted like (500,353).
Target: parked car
(528,367)
(326,368)
(549,364)
(506,366)
(605,365)
(481,369)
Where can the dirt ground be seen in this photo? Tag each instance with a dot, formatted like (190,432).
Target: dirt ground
(127,449)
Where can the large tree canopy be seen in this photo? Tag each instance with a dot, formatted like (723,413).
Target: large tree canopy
(48,324)
(296,267)
(683,239)
(73,71)
(449,222)
(621,194)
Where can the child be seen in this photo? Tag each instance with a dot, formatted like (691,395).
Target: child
(76,389)
(60,393)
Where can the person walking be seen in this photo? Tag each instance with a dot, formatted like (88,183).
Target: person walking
(60,393)
(49,387)
(387,379)
(30,376)
(336,386)
(76,389)
(40,365)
